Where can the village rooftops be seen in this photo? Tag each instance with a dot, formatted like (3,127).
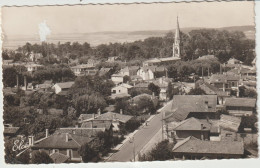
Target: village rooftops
(114,116)
(62,141)
(193,124)
(223,78)
(104,124)
(87,132)
(192,145)
(181,105)
(229,122)
(65,85)
(240,102)
(212,90)
(82,66)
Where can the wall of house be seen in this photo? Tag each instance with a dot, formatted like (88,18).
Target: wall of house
(117,79)
(119,90)
(57,89)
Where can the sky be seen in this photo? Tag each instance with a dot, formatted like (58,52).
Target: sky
(131,17)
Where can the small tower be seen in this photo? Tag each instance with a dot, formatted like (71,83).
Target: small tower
(177,41)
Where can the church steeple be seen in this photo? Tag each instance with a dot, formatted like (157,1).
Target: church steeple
(177,41)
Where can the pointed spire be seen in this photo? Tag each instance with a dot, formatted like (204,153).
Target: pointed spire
(177,32)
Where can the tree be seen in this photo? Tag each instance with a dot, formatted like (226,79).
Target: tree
(196,91)
(40,157)
(170,90)
(126,79)
(161,152)
(88,153)
(154,88)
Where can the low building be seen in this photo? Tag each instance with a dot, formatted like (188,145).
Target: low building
(62,143)
(121,89)
(104,71)
(32,67)
(117,78)
(10,131)
(145,73)
(129,70)
(240,106)
(193,148)
(84,69)
(212,90)
(62,87)
(234,61)
(182,107)
(226,82)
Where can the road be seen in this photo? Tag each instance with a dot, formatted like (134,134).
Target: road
(141,138)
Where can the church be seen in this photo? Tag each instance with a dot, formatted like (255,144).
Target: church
(175,55)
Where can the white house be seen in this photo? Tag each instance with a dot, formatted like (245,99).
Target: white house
(123,88)
(62,87)
(145,73)
(31,67)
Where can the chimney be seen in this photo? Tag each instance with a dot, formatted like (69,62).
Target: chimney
(93,115)
(31,140)
(76,126)
(91,125)
(202,136)
(99,112)
(121,111)
(67,137)
(114,116)
(25,82)
(46,133)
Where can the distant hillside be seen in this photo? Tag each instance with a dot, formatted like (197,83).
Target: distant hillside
(97,38)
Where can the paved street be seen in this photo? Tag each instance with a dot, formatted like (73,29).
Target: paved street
(141,138)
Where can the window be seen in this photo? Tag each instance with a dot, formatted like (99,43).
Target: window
(55,150)
(233,84)
(119,91)
(114,91)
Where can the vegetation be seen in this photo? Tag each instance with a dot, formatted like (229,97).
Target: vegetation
(40,157)
(196,91)
(161,152)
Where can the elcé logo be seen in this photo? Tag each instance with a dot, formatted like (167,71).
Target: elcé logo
(19,145)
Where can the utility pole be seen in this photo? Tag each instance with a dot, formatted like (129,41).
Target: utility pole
(162,125)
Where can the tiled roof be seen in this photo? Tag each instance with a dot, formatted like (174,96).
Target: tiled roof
(182,105)
(65,85)
(192,145)
(104,124)
(192,124)
(59,157)
(142,85)
(230,122)
(223,78)
(86,116)
(58,141)
(82,66)
(211,90)
(11,130)
(154,68)
(124,85)
(240,102)
(114,116)
(88,132)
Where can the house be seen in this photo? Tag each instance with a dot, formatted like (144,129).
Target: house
(62,87)
(86,132)
(106,120)
(45,86)
(240,106)
(145,73)
(234,61)
(254,62)
(117,78)
(212,90)
(182,107)
(229,122)
(193,148)
(121,89)
(129,70)
(10,131)
(62,143)
(112,59)
(226,82)
(35,57)
(32,67)
(192,127)
(84,69)
(207,57)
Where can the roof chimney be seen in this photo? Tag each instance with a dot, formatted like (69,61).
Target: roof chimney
(202,136)
(67,137)
(31,140)
(46,133)
(121,111)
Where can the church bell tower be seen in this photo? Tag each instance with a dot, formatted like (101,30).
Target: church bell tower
(177,41)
